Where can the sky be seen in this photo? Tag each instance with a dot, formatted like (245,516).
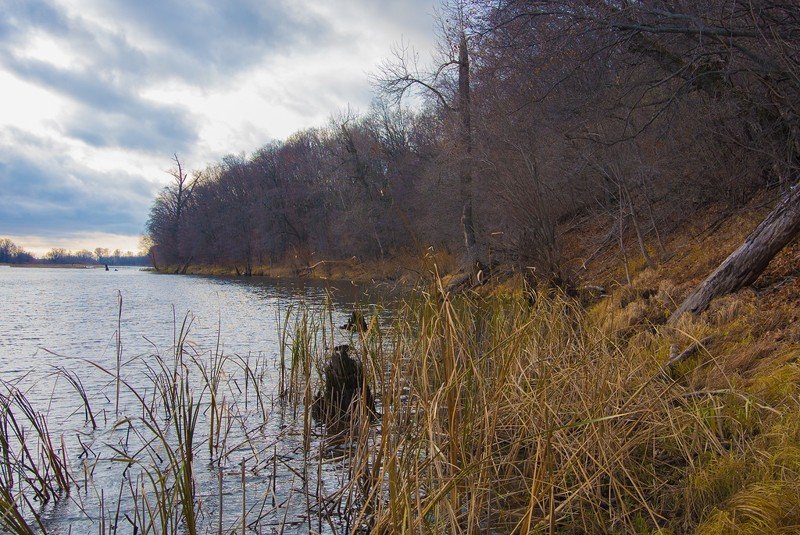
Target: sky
(97,95)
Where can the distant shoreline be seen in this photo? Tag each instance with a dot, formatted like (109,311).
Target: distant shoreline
(61,266)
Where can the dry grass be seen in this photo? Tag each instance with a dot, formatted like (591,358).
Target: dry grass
(507,417)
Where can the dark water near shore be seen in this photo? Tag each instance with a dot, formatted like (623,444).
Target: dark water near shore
(68,318)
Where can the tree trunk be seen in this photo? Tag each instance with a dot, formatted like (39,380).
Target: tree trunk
(745,264)
(472,259)
(621,237)
(638,230)
(152,254)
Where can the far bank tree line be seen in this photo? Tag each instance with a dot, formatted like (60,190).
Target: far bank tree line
(11,253)
(537,113)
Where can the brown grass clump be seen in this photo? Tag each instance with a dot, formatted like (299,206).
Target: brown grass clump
(511,417)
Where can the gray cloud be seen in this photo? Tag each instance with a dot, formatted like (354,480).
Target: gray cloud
(46,192)
(156,129)
(109,115)
(20,14)
(208,39)
(200,43)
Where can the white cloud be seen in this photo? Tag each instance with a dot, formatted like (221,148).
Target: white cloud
(27,106)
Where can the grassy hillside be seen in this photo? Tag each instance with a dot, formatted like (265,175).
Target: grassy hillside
(538,412)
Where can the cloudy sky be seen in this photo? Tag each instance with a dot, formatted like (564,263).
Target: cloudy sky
(96,96)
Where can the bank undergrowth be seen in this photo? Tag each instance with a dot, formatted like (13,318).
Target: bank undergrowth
(532,415)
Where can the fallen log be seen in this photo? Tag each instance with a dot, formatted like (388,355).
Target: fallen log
(747,262)
(676,358)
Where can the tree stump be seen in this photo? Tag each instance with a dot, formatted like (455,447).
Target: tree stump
(344,385)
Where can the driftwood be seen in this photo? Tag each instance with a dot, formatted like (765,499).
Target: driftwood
(467,280)
(599,290)
(459,282)
(344,384)
(747,262)
(676,358)
(307,271)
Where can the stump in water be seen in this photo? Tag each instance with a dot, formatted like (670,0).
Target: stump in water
(344,384)
(355,322)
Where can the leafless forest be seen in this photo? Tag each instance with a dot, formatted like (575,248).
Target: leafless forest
(534,113)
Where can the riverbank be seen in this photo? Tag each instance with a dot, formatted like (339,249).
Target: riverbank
(580,409)
(505,408)
(540,412)
(403,271)
(592,256)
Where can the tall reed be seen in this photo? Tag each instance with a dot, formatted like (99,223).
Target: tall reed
(509,417)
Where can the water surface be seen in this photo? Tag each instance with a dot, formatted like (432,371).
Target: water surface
(68,319)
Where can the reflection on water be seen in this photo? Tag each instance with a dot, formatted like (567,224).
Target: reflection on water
(68,318)
(74,311)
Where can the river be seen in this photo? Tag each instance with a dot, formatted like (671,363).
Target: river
(54,321)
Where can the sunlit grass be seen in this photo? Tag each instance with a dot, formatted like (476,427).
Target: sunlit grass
(534,418)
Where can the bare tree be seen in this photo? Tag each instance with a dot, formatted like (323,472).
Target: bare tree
(750,58)
(684,51)
(168,214)
(402,74)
